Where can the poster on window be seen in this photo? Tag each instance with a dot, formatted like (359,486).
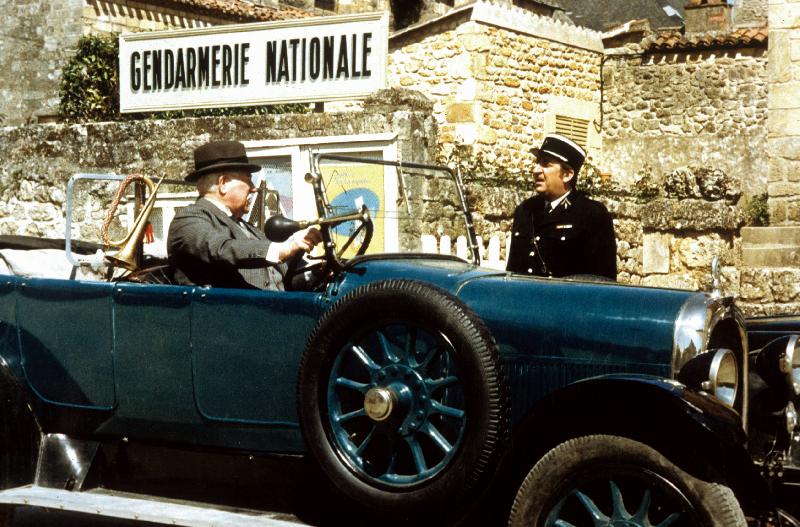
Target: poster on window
(348,188)
(277,172)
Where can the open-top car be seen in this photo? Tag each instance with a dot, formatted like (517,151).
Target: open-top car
(423,386)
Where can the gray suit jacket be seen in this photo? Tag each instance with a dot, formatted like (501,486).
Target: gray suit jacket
(208,248)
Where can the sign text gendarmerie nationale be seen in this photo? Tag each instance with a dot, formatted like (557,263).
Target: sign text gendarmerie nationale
(307,60)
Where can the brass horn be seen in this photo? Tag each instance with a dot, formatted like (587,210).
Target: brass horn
(126,255)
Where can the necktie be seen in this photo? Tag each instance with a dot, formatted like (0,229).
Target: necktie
(242,226)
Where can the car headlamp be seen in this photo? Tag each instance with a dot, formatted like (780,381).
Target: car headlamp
(791,419)
(778,363)
(714,372)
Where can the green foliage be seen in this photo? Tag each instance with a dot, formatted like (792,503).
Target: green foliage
(89,83)
(758,211)
(473,166)
(90,88)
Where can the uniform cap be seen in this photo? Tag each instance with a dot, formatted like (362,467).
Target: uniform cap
(564,149)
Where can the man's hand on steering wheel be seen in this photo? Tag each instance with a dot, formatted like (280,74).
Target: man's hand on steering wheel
(311,238)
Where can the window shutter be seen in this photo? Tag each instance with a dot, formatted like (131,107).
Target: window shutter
(573,128)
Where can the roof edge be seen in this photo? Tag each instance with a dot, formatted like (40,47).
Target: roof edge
(518,20)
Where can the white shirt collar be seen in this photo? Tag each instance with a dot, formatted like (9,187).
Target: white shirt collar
(556,202)
(221,206)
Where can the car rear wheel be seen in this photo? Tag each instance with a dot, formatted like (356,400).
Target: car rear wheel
(402,398)
(613,481)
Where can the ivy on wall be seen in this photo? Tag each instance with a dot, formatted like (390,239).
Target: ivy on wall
(90,88)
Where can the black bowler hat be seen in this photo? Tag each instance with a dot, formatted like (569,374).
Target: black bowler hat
(220,155)
(564,149)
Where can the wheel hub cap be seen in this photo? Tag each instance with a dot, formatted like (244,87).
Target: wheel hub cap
(379,403)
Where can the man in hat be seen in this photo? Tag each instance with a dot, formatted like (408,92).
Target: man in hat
(208,242)
(561,232)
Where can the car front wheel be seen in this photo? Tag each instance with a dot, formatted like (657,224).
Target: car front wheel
(402,398)
(604,480)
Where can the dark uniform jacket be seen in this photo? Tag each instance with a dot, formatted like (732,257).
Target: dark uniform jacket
(208,248)
(575,238)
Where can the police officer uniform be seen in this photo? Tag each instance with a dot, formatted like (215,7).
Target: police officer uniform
(574,238)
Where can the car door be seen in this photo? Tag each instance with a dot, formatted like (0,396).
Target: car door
(246,348)
(66,341)
(153,362)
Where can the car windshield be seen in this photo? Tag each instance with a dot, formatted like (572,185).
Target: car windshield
(414,208)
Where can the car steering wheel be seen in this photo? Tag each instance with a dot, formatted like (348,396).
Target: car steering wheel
(366,225)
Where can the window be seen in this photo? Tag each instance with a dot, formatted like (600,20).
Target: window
(573,128)
(330,5)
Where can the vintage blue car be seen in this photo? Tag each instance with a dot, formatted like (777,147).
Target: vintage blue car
(421,386)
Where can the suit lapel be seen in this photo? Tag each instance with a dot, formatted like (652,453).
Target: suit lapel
(226,220)
(254,232)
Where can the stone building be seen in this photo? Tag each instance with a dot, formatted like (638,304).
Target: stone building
(40,36)
(685,129)
(501,77)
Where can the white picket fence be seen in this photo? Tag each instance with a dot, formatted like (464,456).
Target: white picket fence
(490,254)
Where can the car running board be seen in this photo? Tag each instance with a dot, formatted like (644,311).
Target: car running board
(142,508)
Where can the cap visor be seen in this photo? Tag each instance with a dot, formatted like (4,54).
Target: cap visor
(537,151)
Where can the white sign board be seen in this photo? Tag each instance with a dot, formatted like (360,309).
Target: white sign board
(307,60)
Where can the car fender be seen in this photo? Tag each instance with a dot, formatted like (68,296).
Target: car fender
(20,432)
(692,429)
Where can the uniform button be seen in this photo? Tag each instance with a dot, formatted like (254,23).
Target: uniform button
(530,270)
(537,238)
(516,234)
(533,253)
(563,238)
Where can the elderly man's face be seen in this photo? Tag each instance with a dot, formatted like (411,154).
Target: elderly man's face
(235,190)
(551,178)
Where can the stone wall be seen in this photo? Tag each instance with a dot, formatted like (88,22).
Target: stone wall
(116,16)
(493,73)
(784,108)
(662,111)
(40,159)
(752,13)
(37,39)
(40,36)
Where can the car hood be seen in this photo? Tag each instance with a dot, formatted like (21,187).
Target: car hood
(590,321)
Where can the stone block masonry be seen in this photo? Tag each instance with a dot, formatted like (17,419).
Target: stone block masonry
(117,16)
(492,72)
(36,41)
(784,113)
(666,110)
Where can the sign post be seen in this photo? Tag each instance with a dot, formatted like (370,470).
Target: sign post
(307,60)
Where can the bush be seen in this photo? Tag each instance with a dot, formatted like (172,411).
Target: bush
(758,211)
(90,88)
(90,82)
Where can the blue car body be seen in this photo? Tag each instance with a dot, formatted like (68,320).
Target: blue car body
(165,362)
(193,368)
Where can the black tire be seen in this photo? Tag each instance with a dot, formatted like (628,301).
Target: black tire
(20,434)
(595,465)
(471,413)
